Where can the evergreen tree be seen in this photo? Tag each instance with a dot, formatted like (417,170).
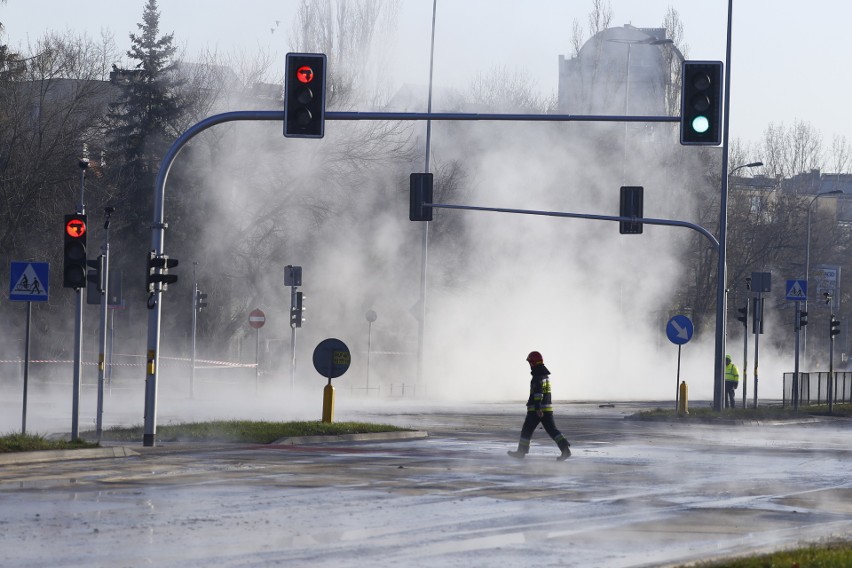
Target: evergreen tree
(142,118)
(142,123)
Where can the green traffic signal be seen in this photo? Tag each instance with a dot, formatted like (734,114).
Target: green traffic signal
(700,124)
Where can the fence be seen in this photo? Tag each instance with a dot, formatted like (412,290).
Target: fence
(813,388)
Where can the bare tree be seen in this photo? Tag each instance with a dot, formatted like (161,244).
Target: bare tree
(673,55)
(788,151)
(839,155)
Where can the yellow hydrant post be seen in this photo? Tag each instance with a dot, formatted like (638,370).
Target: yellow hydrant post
(328,403)
(683,403)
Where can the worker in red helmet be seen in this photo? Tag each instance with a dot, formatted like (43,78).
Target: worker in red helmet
(539,410)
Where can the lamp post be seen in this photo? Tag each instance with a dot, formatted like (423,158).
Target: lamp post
(745,327)
(808,264)
(648,40)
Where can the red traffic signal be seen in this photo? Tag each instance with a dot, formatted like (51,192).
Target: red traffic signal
(74,267)
(305,74)
(304,95)
(75,226)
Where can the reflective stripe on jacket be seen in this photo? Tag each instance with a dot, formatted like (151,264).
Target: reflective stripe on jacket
(540,394)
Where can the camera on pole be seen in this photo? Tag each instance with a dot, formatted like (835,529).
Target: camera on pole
(304,95)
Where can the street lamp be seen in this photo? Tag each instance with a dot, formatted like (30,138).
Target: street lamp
(749,165)
(808,262)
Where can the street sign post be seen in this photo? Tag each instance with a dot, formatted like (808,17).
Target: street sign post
(256,319)
(679,330)
(331,359)
(28,282)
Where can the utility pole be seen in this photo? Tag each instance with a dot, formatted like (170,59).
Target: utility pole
(103,287)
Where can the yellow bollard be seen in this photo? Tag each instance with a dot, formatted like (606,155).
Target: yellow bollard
(328,403)
(683,403)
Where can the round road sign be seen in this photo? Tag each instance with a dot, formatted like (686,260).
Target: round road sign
(679,329)
(372,316)
(331,358)
(256,319)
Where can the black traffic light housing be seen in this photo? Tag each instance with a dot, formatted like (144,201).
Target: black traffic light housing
(158,271)
(701,103)
(200,300)
(801,319)
(296,310)
(421,195)
(304,95)
(834,326)
(74,267)
(743,317)
(630,205)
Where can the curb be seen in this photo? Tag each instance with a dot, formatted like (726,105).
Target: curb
(13,458)
(373,437)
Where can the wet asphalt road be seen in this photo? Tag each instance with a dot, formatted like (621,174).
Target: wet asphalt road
(632,494)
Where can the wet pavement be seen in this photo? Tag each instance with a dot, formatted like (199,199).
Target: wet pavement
(632,494)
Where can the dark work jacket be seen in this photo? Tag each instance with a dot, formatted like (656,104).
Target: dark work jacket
(539,390)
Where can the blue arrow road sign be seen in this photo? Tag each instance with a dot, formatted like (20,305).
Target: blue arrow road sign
(28,281)
(797,290)
(679,329)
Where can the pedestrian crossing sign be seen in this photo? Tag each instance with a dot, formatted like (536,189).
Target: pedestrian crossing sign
(28,281)
(797,290)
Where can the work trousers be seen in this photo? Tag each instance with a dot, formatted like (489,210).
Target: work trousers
(730,394)
(531,422)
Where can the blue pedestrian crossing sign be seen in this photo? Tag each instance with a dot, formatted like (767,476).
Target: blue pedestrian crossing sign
(28,281)
(679,329)
(797,290)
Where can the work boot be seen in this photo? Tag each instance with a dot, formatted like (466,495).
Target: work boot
(517,454)
(566,453)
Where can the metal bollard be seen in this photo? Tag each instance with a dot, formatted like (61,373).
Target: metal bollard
(683,402)
(328,403)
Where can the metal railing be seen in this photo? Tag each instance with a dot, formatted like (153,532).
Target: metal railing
(813,388)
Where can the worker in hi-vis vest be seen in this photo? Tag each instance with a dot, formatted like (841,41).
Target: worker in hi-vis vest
(732,381)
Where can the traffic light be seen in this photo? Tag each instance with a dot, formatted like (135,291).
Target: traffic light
(304,95)
(630,205)
(95,285)
(158,271)
(74,266)
(296,311)
(421,194)
(801,319)
(743,317)
(835,327)
(701,103)
(200,300)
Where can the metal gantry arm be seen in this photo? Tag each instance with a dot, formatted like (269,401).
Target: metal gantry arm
(158,224)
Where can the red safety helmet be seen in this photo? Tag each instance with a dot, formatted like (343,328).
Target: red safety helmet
(534,358)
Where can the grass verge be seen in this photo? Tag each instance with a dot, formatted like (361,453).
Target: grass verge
(824,555)
(245,431)
(35,442)
(755,414)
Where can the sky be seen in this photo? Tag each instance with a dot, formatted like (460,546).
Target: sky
(782,60)
(475,36)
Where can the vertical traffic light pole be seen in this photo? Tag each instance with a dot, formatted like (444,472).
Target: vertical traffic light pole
(78,317)
(103,286)
(194,326)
